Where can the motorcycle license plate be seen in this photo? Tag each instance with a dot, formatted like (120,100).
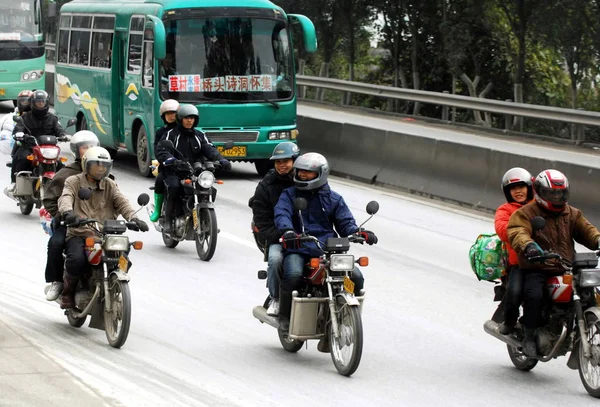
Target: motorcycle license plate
(348,285)
(235,151)
(195,218)
(2,92)
(123,263)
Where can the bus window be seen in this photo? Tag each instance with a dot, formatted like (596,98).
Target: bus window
(136,36)
(148,77)
(101,49)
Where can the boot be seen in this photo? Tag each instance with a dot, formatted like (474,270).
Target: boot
(67,297)
(285,308)
(529,345)
(158,203)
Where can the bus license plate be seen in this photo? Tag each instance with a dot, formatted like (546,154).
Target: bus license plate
(2,92)
(235,151)
(348,285)
(123,263)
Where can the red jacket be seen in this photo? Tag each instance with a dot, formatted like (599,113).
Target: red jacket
(501,224)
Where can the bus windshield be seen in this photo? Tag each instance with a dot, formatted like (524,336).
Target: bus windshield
(20,35)
(229,60)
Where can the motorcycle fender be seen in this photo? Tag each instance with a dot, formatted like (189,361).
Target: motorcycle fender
(593,310)
(120,275)
(350,299)
(207,205)
(573,362)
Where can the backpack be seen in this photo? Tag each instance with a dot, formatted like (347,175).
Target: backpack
(489,257)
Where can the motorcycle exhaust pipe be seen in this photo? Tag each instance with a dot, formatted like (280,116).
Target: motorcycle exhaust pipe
(492,328)
(260,313)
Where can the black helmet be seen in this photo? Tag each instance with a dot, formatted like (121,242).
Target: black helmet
(284,150)
(40,103)
(186,111)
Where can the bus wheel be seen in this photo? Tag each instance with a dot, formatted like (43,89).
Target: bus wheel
(263,166)
(82,124)
(143,153)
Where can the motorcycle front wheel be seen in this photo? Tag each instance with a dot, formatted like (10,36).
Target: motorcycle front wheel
(589,369)
(520,361)
(346,350)
(118,319)
(206,235)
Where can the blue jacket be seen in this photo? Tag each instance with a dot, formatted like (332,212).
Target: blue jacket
(326,209)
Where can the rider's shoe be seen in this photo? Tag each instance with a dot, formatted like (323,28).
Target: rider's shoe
(158,204)
(54,291)
(67,298)
(273,309)
(529,345)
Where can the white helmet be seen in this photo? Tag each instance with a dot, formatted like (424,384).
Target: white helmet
(82,138)
(169,105)
(96,163)
(311,162)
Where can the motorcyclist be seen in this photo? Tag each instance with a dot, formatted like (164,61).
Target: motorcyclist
(106,202)
(183,144)
(564,224)
(263,203)
(518,190)
(38,122)
(168,113)
(7,124)
(80,142)
(325,211)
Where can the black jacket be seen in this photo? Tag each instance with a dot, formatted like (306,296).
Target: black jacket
(263,203)
(191,143)
(46,125)
(160,134)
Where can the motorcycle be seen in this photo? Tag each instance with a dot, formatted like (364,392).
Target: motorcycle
(103,291)
(30,185)
(572,319)
(325,306)
(196,217)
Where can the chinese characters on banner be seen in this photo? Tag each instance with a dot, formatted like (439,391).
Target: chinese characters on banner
(229,83)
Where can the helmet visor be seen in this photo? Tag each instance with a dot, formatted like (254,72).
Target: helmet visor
(554,196)
(98,169)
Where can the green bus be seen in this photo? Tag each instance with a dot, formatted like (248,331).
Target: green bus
(116,61)
(22,52)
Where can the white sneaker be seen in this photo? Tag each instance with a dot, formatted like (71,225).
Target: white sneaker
(54,291)
(11,188)
(273,309)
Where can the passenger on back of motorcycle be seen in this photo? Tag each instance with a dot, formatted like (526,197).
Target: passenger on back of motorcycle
(106,202)
(168,113)
(564,224)
(326,210)
(190,145)
(518,190)
(38,122)
(80,142)
(263,202)
(7,124)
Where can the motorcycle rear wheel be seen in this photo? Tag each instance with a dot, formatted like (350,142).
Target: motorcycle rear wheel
(346,350)
(117,322)
(25,208)
(289,344)
(206,239)
(75,322)
(521,361)
(589,369)
(170,243)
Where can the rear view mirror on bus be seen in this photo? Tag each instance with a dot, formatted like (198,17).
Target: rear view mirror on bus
(52,9)
(160,42)
(308,30)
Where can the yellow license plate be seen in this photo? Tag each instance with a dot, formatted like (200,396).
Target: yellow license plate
(195,218)
(348,285)
(235,151)
(123,263)
(2,92)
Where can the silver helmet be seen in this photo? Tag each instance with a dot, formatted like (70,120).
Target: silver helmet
(517,176)
(311,162)
(82,138)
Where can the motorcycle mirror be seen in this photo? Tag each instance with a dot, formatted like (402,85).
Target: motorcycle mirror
(143,199)
(372,207)
(300,204)
(84,194)
(538,223)
(71,122)
(228,145)
(17,119)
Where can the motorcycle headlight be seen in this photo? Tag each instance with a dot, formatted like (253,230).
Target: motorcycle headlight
(50,153)
(589,278)
(206,179)
(341,262)
(116,243)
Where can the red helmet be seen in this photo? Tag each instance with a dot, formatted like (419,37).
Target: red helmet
(24,101)
(551,190)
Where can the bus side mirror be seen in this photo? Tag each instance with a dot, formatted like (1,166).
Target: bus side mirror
(52,9)
(156,25)
(308,30)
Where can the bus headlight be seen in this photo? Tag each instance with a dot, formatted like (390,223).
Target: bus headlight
(206,179)
(31,76)
(341,262)
(280,135)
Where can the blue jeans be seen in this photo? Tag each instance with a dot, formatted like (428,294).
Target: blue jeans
(293,268)
(274,268)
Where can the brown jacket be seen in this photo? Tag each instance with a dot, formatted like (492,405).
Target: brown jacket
(558,234)
(55,188)
(106,202)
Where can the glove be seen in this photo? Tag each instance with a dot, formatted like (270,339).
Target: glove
(369,237)
(533,250)
(70,218)
(225,164)
(169,161)
(143,226)
(289,240)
